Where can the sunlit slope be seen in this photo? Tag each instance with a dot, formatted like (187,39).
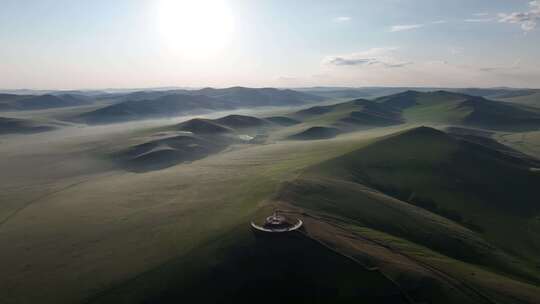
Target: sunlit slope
(321,122)
(485,190)
(460,109)
(436,107)
(350,115)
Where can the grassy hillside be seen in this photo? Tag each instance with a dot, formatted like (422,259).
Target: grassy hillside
(316,133)
(166,106)
(321,122)
(258,97)
(486,190)
(242,121)
(436,107)
(460,109)
(239,266)
(356,113)
(203,126)
(282,120)
(147,105)
(191,140)
(169,151)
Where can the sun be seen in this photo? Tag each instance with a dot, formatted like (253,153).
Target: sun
(195,27)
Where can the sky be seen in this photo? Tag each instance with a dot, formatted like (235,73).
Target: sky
(80,44)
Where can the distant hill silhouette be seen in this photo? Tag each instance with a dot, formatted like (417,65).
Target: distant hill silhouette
(24,126)
(166,106)
(40,102)
(145,105)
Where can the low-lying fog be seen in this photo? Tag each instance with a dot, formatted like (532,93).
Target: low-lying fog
(79,133)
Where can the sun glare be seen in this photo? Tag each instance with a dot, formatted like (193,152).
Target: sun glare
(195,27)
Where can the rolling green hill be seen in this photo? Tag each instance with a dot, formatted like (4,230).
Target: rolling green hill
(355,113)
(460,109)
(203,126)
(191,140)
(242,121)
(486,190)
(456,199)
(283,121)
(165,106)
(287,269)
(316,133)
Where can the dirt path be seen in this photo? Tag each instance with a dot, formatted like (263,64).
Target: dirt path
(386,254)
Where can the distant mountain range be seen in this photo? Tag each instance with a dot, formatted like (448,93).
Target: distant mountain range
(12,102)
(438,107)
(146,105)
(375,92)
(166,106)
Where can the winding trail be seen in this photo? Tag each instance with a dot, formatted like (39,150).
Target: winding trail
(466,289)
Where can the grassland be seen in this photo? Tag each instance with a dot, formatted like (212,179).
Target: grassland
(74,226)
(396,215)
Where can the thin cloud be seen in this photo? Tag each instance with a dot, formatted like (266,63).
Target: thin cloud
(528,20)
(342,19)
(381,57)
(346,60)
(480,14)
(515,66)
(439,22)
(478,20)
(405,27)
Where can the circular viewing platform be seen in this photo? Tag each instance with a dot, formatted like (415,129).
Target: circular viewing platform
(277,223)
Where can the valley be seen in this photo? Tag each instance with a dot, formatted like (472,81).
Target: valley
(428,196)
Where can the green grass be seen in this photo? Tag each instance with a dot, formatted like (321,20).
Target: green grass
(438,112)
(239,266)
(496,287)
(473,186)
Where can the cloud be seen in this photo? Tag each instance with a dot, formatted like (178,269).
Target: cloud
(528,20)
(342,19)
(349,60)
(377,57)
(478,20)
(514,66)
(439,22)
(480,14)
(405,27)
